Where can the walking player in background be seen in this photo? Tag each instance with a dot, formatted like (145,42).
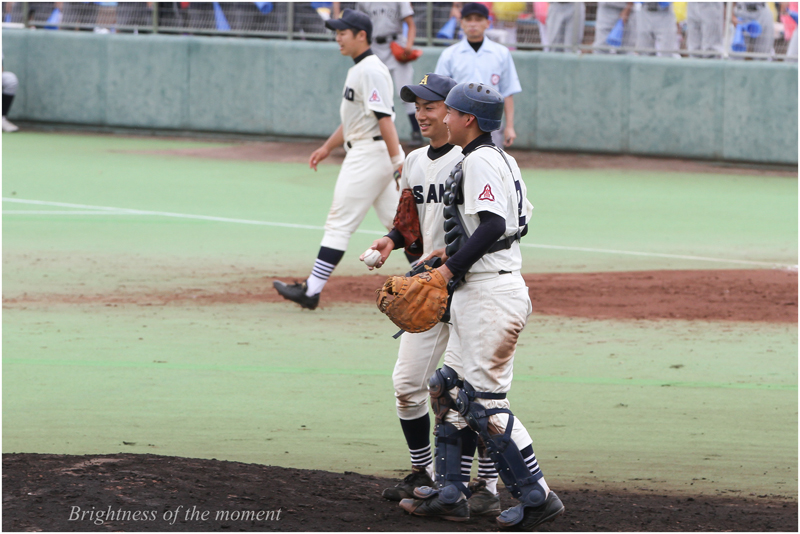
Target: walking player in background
(373,154)
(490,307)
(479,59)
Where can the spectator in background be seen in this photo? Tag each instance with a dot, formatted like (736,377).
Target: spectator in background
(787,8)
(479,59)
(608,13)
(705,23)
(657,29)
(561,20)
(134,14)
(744,12)
(74,14)
(10,84)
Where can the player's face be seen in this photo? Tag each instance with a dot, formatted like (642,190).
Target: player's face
(430,116)
(346,41)
(474,26)
(456,124)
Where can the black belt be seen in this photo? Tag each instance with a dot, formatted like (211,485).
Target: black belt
(503,272)
(653,6)
(754,6)
(376,138)
(384,40)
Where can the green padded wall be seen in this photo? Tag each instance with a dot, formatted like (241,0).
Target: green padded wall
(730,110)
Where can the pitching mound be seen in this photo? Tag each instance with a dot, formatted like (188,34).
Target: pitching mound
(67,493)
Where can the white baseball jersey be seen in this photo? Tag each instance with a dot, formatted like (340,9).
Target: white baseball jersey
(491,65)
(367,89)
(426,178)
(490,185)
(387,17)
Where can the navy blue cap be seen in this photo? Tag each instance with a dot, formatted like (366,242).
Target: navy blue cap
(351,20)
(432,87)
(474,8)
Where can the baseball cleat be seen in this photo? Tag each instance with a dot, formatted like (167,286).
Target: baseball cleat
(482,501)
(405,489)
(9,126)
(528,519)
(434,507)
(297,293)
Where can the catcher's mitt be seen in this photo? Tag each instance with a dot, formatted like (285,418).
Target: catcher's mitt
(406,221)
(415,303)
(402,56)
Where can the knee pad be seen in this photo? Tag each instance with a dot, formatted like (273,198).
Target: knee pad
(449,480)
(439,386)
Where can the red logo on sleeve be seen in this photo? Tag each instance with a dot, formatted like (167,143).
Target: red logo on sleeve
(487,194)
(375,97)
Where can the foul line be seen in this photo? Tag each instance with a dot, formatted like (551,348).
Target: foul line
(104,210)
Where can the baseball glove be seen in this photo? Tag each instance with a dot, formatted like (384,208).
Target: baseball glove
(402,56)
(406,221)
(415,303)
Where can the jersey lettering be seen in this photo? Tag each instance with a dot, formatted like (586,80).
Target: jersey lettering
(417,190)
(435,194)
(487,194)
(349,94)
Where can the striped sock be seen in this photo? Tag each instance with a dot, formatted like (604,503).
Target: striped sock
(466,466)
(327,259)
(530,460)
(488,473)
(421,458)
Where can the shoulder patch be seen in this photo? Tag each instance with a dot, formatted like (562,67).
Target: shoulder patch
(375,97)
(495,79)
(487,193)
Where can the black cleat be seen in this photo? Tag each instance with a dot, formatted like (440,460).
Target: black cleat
(434,507)
(297,293)
(405,489)
(482,501)
(527,519)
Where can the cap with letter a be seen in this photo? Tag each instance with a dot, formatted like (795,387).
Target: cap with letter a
(433,87)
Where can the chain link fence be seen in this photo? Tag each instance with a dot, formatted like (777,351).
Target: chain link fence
(650,28)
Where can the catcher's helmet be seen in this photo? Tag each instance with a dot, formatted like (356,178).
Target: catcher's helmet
(480,100)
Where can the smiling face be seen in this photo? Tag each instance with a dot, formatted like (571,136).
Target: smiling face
(350,43)
(474,26)
(430,116)
(458,126)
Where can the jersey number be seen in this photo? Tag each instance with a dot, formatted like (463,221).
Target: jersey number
(519,204)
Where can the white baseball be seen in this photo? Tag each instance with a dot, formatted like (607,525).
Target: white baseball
(372,257)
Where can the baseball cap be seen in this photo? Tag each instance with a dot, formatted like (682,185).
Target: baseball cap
(474,8)
(432,87)
(351,20)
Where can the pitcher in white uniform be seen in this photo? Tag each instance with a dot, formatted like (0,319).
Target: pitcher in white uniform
(486,213)
(373,155)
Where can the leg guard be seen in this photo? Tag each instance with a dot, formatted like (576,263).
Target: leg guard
(502,450)
(449,480)
(439,386)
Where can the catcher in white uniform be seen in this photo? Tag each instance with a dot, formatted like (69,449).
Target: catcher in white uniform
(373,155)
(425,173)
(486,213)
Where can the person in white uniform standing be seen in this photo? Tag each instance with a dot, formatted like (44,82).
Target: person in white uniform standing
(705,25)
(387,27)
(656,28)
(476,58)
(486,213)
(561,20)
(424,175)
(373,155)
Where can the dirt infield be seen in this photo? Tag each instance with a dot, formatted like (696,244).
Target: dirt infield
(42,492)
(299,152)
(728,295)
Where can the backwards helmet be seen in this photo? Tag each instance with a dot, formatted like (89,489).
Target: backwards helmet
(479,100)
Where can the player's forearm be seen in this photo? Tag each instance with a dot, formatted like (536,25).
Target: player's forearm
(508,107)
(491,228)
(412,31)
(336,139)
(389,134)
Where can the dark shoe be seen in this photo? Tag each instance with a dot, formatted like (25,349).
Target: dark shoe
(434,507)
(416,138)
(405,489)
(482,501)
(297,293)
(528,519)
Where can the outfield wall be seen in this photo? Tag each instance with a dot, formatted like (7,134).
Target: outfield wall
(729,110)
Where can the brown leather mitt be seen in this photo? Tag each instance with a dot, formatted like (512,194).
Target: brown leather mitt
(402,56)
(406,221)
(414,303)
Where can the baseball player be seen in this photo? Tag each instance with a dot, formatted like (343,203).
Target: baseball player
(705,22)
(657,28)
(373,154)
(486,212)
(424,175)
(478,58)
(10,85)
(387,23)
(608,13)
(561,20)
(744,12)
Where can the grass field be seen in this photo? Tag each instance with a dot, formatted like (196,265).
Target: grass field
(691,407)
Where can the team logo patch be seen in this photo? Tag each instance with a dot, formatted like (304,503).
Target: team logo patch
(424,80)
(487,193)
(375,97)
(495,79)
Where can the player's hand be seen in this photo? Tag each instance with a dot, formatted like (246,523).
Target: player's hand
(317,156)
(444,270)
(385,246)
(397,174)
(438,253)
(510,134)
